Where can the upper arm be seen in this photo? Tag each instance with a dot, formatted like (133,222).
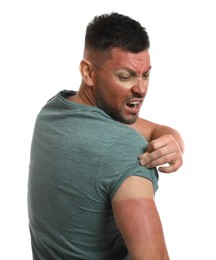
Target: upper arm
(144,127)
(137,219)
(152,131)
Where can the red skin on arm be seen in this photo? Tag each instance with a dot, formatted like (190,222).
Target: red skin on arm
(138,220)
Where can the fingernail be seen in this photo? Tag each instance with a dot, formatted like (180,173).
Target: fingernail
(142,162)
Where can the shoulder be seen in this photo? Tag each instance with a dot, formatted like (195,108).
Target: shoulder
(122,137)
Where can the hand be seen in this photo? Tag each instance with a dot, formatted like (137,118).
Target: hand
(161,151)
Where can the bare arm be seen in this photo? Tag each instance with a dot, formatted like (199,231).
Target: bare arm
(138,220)
(165,146)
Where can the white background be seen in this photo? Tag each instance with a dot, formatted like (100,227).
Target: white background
(41,45)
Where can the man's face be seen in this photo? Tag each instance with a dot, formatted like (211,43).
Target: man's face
(120,84)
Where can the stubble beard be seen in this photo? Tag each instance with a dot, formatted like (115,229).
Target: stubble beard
(117,115)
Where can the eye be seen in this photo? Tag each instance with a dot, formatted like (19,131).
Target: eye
(124,77)
(146,76)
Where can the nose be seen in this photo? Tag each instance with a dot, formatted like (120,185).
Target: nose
(140,87)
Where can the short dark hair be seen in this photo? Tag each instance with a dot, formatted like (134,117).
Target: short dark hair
(107,31)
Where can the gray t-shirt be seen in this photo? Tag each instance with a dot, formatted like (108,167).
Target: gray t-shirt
(79,158)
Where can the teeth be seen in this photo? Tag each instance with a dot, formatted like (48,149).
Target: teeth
(133,103)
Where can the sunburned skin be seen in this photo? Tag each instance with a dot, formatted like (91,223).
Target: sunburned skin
(117,82)
(138,220)
(140,226)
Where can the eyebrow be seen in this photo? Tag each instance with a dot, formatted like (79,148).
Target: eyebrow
(133,71)
(149,69)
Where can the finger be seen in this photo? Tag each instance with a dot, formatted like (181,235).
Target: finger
(161,142)
(144,159)
(173,159)
(160,156)
(171,168)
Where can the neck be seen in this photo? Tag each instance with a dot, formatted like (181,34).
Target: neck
(83,97)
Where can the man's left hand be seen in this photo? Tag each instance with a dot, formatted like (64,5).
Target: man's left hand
(161,151)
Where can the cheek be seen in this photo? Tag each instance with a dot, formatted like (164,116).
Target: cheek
(114,92)
(118,95)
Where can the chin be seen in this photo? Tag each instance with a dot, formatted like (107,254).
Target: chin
(124,118)
(129,120)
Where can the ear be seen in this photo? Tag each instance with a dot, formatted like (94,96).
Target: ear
(86,72)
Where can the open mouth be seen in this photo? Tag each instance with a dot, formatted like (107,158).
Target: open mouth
(133,104)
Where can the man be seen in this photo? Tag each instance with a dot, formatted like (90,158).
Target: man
(89,197)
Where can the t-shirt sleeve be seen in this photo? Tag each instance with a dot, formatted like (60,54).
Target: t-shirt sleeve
(122,162)
(135,170)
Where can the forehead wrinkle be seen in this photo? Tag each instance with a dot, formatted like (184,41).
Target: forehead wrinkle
(134,72)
